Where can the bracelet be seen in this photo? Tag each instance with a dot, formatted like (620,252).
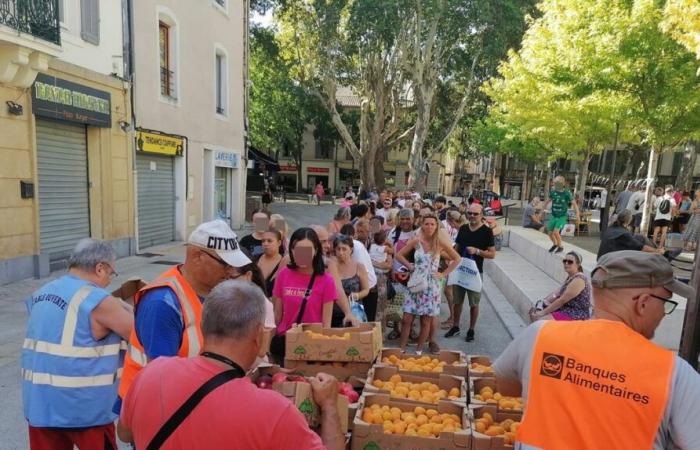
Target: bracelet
(478,252)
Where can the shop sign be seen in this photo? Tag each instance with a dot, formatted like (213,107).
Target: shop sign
(64,100)
(160,143)
(317,170)
(288,168)
(226,159)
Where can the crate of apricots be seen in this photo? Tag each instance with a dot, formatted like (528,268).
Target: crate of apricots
(415,388)
(447,362)
(480,366)
(493,429)
(385,423)
(485,391)
(312,342)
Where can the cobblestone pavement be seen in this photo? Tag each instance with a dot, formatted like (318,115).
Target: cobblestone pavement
(491,334)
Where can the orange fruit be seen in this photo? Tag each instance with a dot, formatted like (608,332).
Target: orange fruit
(448,428)
(431,412)
(436,419)
(377,418)
(395,414)
(455,391)
(411,432)
(494,430)
(395,379)
(421,419)
(486,395)
(424,433)
(419,410)
(386,415)
(378,384)
(480,426)
(509,438)
(488,418)
(399,427)
(367,416)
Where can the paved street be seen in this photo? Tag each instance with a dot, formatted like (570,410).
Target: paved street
(492,335)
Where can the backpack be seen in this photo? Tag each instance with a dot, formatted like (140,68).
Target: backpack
(637,205)
(665,206)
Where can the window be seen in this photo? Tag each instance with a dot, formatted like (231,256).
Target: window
(61,12)
(221,3)
(221,82)
(90,21)
(167,76)
(323,149)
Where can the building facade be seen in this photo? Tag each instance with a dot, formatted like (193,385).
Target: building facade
(67,156)
(189,96)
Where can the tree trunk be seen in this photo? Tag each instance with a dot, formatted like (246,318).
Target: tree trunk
(525,185)
(583,175)
(651,176)
(366,167)
(547,181)
(684,180)
(379,175)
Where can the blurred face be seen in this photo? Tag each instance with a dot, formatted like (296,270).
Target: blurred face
(261,221)
(439,205)
(212,270)
(570,265)
(650,310)
(304,253)
(474,214)
(343,252)
(429,226)
(424,211)
(416,207)
(270,244)
(362,232)
(390,222)
(325,240)
(406,223)
(386,203)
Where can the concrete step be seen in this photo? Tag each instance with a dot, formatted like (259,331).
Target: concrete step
(510,317)
(526,272)
(520,282)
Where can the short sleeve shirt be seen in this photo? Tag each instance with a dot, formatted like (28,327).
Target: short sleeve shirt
(481,238)
(679,423)
(236,415)
(252,245)
(290,287)
(657,203)
(560,202)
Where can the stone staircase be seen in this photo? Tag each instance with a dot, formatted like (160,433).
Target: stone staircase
(525,272)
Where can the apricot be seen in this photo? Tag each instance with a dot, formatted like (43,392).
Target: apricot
(494,430)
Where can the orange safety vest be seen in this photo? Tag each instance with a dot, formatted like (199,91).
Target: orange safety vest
(191,308)
(595,384)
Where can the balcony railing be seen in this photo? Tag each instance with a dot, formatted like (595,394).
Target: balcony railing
(36,17)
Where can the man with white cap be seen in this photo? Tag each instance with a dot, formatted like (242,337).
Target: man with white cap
(583,379)
(168,310)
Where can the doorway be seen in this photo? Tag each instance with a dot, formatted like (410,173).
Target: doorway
(222,192)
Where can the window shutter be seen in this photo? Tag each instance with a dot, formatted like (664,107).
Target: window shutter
(90,21)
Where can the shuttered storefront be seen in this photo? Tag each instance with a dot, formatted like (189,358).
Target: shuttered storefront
(156,198)
(64,207)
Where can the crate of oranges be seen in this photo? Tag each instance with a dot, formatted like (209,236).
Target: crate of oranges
(447,362)
(312,342)
(415,388)
(385,423)
(480,366)
(493,429)
(485,391)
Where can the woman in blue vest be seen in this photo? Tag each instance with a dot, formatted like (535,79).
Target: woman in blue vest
(72,354)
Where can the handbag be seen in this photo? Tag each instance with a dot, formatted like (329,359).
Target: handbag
(394,307)
(417,282)
(466,275)
(278,343)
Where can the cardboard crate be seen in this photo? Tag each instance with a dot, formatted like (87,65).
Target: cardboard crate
(443,381)
(300,394)
(341,370)
(456,363)
(481,441)
(479,359)
(363,344)
(477,384)
(128,289)
(367,436)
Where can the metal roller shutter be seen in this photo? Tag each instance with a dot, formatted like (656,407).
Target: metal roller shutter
(156,197)
(64,207)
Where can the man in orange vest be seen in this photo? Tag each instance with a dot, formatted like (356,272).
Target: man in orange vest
(602,383)
(168,310)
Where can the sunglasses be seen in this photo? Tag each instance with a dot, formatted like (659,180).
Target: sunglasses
(223,263)
(473,214)
(568,261)
(669,305)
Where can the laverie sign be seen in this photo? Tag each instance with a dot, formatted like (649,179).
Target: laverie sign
(226,159)
(64,100)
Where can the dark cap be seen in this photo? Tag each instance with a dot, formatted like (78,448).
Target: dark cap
(633,269)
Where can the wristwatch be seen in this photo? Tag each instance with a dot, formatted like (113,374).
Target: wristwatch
(478,252)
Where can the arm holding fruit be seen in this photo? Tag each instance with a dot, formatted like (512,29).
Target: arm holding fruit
(325,391)
(403,254)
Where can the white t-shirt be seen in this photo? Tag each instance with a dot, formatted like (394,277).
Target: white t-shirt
(383,212)
(658,201)
(360,255)
(378,255)
(451,232)
(638,198)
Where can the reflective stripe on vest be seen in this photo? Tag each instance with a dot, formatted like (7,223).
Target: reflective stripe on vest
(191,344)
(72,351)
(63,381)
(594,385)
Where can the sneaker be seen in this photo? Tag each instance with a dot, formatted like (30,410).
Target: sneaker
(559,250)
(454,331)
(419,352)
(552,248)
(433,348)
(470,336)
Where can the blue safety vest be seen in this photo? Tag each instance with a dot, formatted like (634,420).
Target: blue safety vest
(69,379)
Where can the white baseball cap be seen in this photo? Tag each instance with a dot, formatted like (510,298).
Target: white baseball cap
(218,236)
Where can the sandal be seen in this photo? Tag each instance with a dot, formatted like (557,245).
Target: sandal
(446,325)
(393,335)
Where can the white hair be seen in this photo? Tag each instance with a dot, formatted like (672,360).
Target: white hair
(89,252)
(233,309)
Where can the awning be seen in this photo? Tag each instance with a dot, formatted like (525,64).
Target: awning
(263,161)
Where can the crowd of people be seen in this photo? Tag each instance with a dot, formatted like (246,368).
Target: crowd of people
(204,323)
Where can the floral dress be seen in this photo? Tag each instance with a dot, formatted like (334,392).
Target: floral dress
(426,302)
(692,230)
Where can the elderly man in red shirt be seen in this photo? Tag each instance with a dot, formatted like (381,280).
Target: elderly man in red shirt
(226,410)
